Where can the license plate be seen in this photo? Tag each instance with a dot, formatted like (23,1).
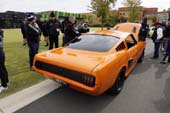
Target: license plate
(60,82)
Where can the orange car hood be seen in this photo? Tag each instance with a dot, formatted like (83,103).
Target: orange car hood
(79,60)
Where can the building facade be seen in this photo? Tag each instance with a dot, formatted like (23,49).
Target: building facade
(163,16)
(142,12)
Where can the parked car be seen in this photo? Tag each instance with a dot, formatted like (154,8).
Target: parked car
(94,62)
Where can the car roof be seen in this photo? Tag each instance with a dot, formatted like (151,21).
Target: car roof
(132,28)
(116,33)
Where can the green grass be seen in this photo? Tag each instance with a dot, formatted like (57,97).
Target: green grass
(17,62)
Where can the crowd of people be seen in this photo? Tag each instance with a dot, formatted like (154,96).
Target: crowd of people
(32,30)
(161,40)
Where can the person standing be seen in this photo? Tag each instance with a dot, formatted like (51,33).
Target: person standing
(23,31)
(157,39)
(62,28)
(144,30)
(53,27)
(167,48)
(45,32)
(33,37)
(69,31)
(3,71)
(83,27)
(162,45)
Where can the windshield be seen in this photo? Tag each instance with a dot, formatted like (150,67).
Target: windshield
(97,43)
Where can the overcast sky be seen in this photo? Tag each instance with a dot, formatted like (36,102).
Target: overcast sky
(76,6)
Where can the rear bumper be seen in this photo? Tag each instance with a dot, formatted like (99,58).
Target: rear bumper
(74,82)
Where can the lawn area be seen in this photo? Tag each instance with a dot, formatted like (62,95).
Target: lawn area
(17,62)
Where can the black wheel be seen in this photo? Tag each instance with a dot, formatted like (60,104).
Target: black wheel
(118,86)
(140,60)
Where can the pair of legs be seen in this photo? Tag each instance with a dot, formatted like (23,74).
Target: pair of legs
(24,41)
(33,49)
(53,40)
(46,39)
(3,71)
(164,58)
(156,49)
(167,54)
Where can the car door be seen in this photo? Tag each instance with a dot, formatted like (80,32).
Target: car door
(132,51)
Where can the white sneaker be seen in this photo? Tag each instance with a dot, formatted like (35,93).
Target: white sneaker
(3,89)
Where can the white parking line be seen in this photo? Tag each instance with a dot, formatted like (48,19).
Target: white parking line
(20,99)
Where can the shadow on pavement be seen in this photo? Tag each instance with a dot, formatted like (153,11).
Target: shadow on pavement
(163,105)
(65,100)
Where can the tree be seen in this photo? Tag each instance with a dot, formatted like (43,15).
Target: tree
(101,9)
(133,8)
(111,20)
(154,18)
(169,9)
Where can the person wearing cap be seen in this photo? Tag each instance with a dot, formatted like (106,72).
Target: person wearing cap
(144,30)
(157,38)
(3,71)
(33,37)
(53,27)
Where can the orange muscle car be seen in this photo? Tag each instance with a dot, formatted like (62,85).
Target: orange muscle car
(94,62)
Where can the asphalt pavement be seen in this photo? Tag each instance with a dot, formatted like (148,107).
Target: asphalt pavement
(146,90)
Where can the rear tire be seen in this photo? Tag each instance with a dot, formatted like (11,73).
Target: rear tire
(118,86)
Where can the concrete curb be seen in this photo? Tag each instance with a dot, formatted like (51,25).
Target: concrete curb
(20,99)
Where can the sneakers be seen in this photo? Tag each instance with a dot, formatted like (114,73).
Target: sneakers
(31,69)
(154,57)
(3,88)
(163,62)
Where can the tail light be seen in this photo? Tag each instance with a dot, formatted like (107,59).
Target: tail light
(89,80)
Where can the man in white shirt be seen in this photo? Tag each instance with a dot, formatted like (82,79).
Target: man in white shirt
(157,37)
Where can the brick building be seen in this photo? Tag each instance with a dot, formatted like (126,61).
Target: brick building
(142,11)
(163,16)
(124,12)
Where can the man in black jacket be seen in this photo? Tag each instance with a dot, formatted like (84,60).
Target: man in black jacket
(23,31)
(53,27)
(33,37)
(3,71)
(69,31)
(144,30)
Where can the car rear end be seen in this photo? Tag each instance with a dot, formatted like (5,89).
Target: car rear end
(76,76)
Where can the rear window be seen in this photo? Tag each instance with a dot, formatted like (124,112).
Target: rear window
(97,43)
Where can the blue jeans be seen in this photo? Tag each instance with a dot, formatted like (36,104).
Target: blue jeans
(167,50)
(156,49)
(33,49)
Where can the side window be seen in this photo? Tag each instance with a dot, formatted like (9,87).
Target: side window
(130,41)
(134,30)
(120,47)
